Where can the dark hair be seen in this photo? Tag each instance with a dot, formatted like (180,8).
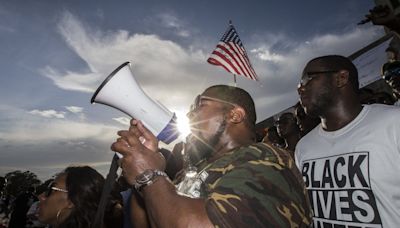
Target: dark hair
(273,136)
(237,96)
(287,114)
(84,185)
(338,62)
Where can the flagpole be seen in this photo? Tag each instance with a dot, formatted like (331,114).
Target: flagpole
(234,79)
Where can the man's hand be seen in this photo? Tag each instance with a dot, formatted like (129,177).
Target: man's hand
(383,15)
(380,15)
(140,150)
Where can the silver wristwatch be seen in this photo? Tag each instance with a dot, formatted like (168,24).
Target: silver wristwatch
(147,178)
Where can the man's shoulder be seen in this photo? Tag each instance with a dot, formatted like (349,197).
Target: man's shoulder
(259,159)
(255,183)
(384,112)
(256,151)
(384,107)
(250,159)
(260,149)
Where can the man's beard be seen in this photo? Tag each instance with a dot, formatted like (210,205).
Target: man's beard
(198,148)
(322,103)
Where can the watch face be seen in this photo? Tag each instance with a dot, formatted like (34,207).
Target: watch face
(145,177)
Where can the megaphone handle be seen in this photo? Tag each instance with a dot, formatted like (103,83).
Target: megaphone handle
(119,155)
(108,185)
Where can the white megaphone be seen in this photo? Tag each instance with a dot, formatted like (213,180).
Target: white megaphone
(121,91)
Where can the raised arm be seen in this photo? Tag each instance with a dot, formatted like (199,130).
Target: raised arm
(383,15)
(165,208)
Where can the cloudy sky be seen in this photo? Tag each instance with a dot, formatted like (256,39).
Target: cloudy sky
(54,54)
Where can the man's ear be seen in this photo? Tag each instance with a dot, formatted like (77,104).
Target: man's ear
(237,115)
(342,78)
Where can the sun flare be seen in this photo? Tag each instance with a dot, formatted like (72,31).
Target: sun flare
(182,124)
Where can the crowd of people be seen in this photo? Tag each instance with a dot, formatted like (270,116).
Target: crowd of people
(346,153)
(332,162)
(329,163)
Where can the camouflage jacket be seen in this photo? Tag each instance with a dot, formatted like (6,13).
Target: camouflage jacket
(252,186)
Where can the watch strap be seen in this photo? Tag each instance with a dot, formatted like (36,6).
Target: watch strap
(139,185)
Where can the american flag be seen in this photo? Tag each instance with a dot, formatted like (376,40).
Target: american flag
(231,55)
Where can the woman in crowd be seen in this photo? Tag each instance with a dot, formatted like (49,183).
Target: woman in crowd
(72,199)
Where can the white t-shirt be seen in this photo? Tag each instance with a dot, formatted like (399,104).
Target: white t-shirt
(353,174)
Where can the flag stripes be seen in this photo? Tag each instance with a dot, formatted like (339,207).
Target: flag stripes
(231,55)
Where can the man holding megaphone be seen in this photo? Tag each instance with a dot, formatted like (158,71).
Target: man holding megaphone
(239,183)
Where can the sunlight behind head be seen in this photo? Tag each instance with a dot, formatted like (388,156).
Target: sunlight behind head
(182,124)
